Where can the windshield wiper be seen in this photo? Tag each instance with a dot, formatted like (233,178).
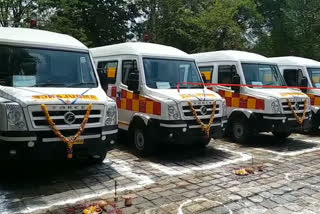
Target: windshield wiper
(80,83)
(49,84)
(191,86)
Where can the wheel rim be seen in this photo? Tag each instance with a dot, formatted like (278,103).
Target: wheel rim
(238,130)
(139,139)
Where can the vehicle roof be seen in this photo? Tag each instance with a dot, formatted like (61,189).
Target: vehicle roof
(39,38)
(139,48)
(230,55)
(297,61)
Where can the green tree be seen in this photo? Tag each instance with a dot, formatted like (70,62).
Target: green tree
(17,13)
(201,25)
(94,22)
(228,24)
(302,20)
(291,28)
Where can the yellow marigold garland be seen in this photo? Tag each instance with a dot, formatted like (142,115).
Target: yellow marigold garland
(73,139)
(204,127)
(299,119)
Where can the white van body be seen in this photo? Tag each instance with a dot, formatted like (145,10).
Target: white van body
(250,109)
(39,67)
(158,106)
(299,67)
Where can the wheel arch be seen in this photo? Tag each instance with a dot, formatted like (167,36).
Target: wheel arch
(239,114)
(137,120)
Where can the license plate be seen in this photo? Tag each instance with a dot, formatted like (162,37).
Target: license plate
(79,142)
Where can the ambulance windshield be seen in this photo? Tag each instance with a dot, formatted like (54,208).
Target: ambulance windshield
(314,74)
(167,74)
(262,74)
(32,67)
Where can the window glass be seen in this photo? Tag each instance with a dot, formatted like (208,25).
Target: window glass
(32,67)
(262,74)
(314,74)
(207,72)
(225,73)
(109,69)
(167,73)
(292,76)
(128,67)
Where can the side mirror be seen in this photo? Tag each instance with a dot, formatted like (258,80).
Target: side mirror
(204,78)
(236,80)
(133,82)
(304,83)
(103,81)
(233,69)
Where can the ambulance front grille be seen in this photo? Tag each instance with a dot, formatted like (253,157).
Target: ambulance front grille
(298,107)
(58,112)
(209,108)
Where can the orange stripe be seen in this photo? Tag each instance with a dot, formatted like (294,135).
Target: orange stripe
(138,103)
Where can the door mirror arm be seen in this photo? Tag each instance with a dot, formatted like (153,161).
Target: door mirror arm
(103,81)
(204,78)
(236,81)
(133,82)
(304,83)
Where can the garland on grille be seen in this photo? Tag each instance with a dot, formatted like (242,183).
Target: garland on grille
(204,127)
(69,141)
(299,119)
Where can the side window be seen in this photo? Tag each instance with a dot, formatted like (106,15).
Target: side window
(225,74)
(109,69)
(128,67)
(188,73)
(207,72)
(292,77)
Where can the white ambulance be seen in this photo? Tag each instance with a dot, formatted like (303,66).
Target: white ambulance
(52,105)
(303,72)
(147,82)
(254,109)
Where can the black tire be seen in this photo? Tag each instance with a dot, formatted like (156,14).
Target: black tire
(142,141)
(315,123)
(102,156)
(203,142)
(239,130)
(122,137)
(281,135)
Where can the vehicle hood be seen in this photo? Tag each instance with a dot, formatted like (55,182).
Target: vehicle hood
(315,92)
(28,96)
(183,95)
(277,93)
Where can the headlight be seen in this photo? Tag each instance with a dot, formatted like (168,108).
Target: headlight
(173,112)
(275,106)
(111,115)
(309,104)
(224,108)
(15,118)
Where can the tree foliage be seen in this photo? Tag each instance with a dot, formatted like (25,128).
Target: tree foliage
(201,25)
(272,28)
(291,28)
(94,22)
(17,13)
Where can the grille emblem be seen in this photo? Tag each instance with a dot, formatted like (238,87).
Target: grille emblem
(203,110)
(69,118)
(296,106)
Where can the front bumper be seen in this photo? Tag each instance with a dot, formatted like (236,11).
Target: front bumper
(44,145)
(316,120)
(184,132)
(280,123)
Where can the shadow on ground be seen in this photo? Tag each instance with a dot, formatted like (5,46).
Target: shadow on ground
(182,155)
(294,143)
(31,184)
